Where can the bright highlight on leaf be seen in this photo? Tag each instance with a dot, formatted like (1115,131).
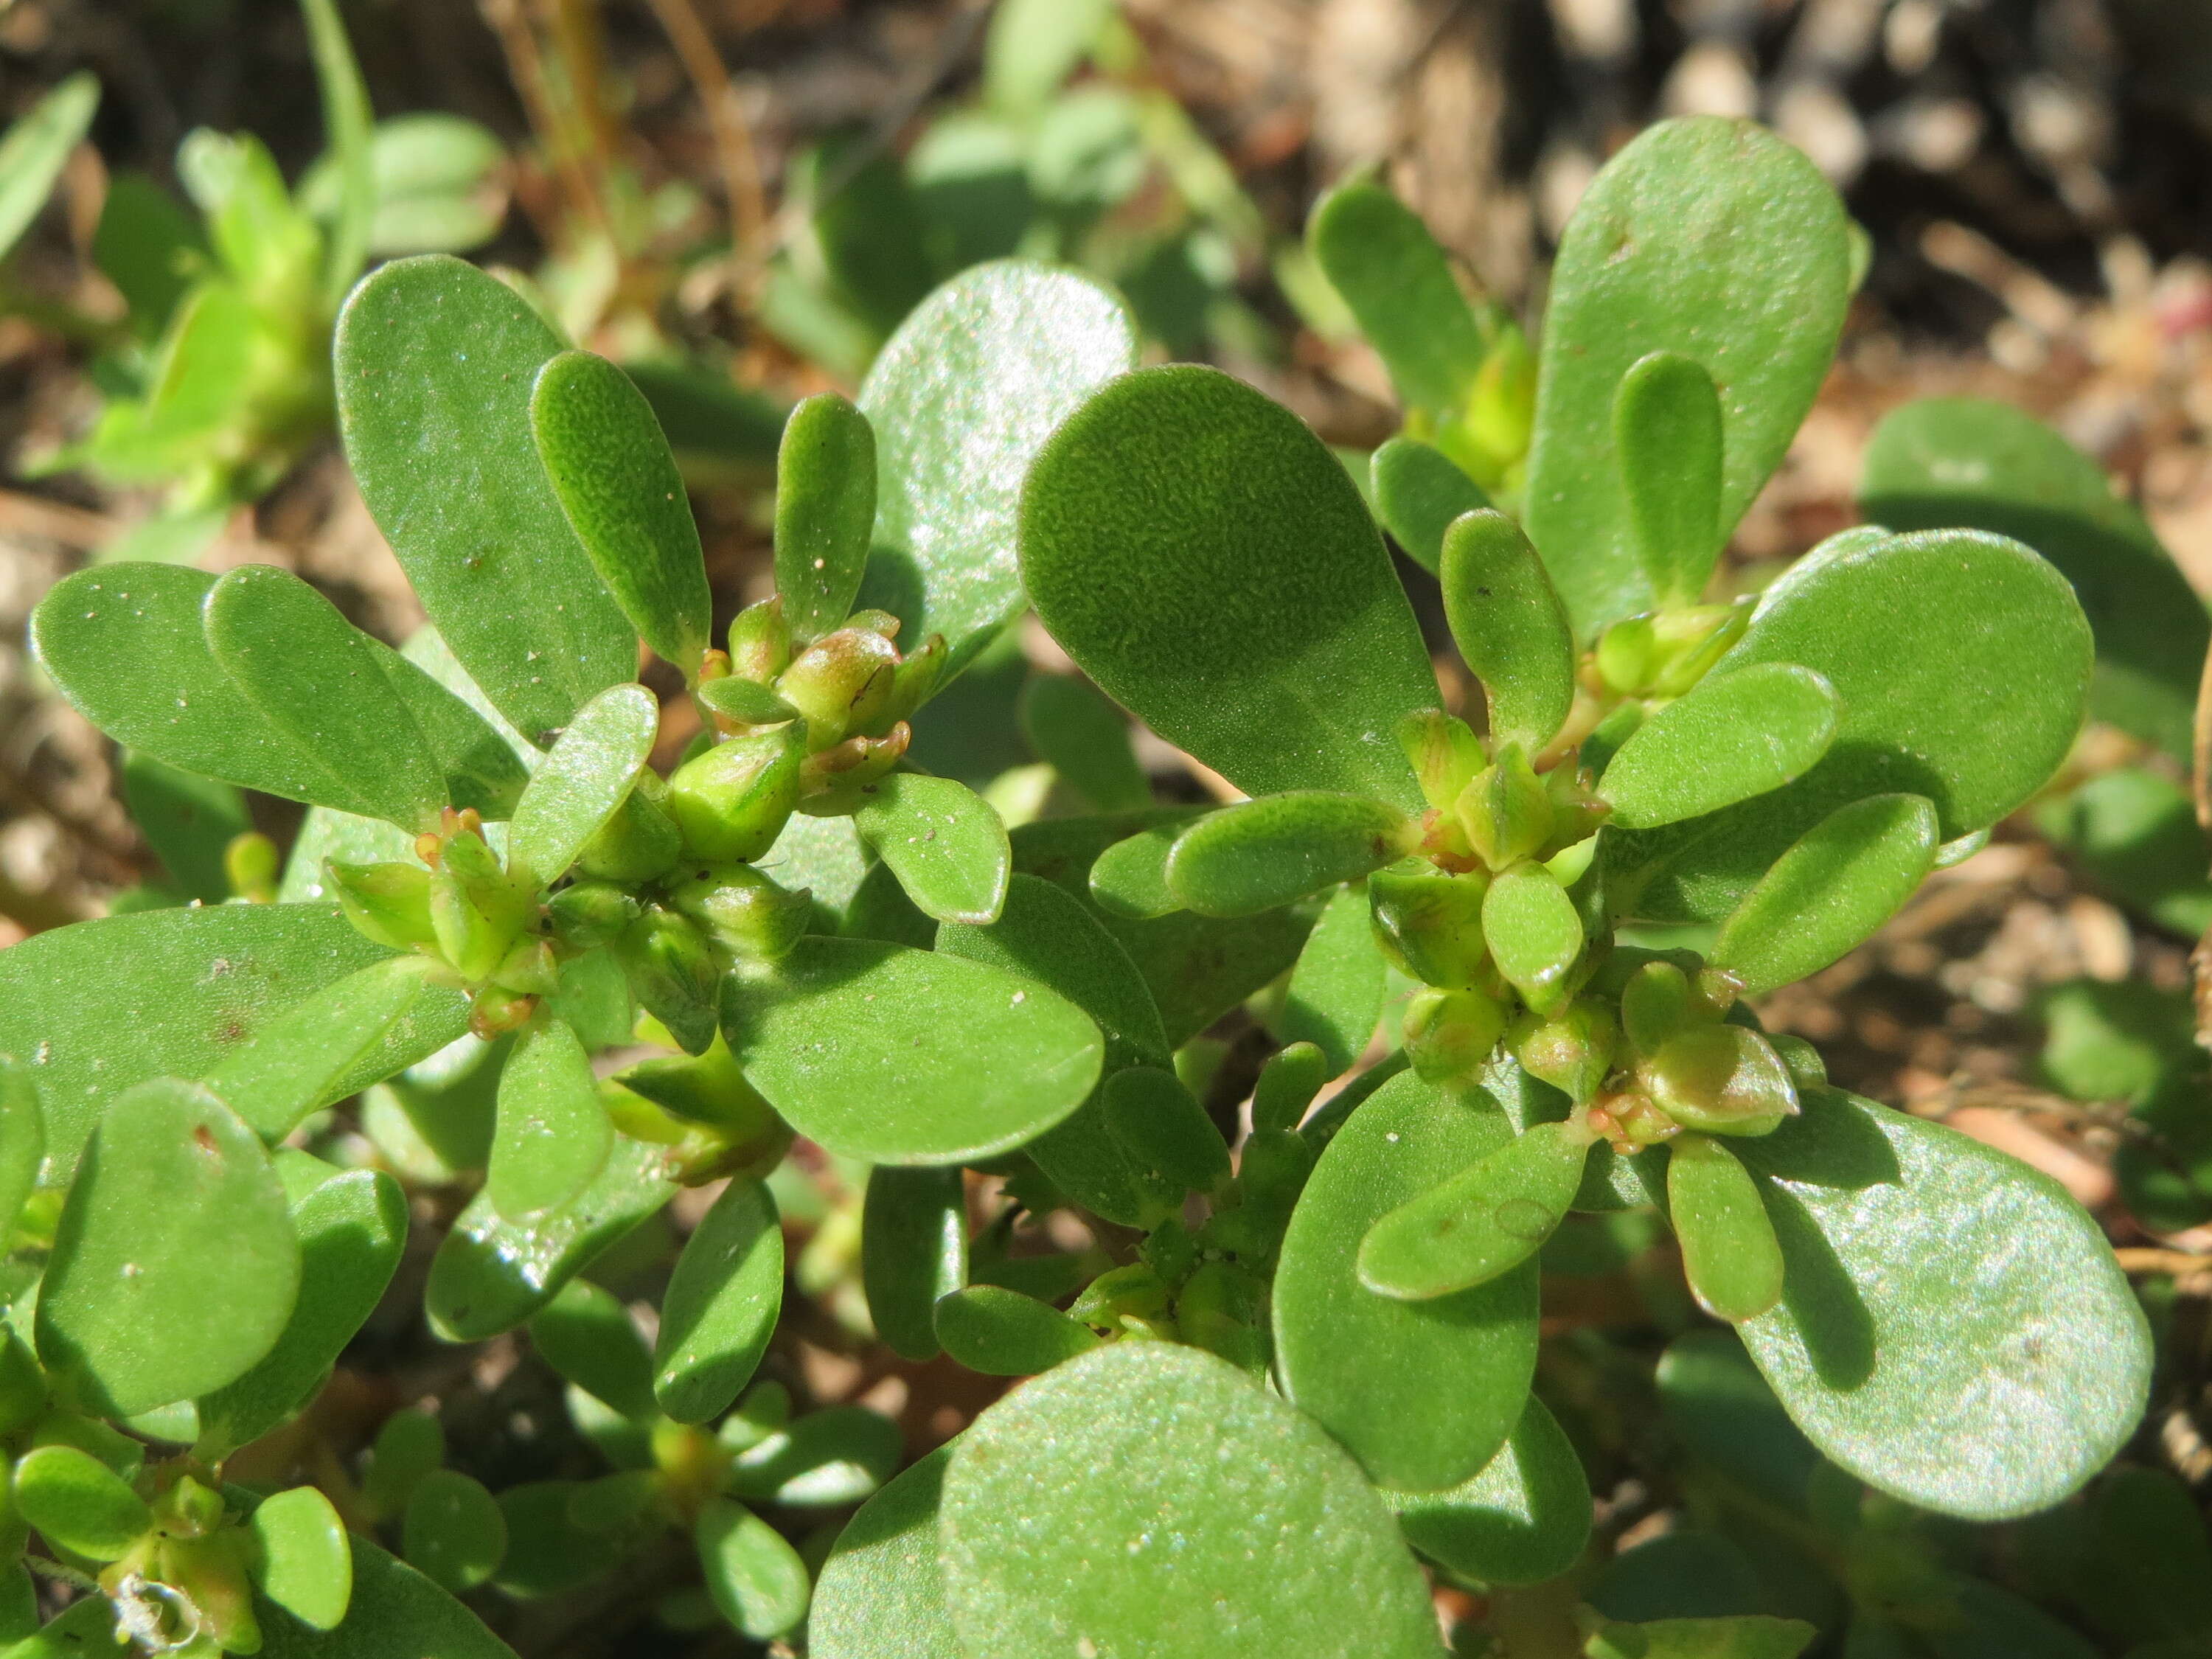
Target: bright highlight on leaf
(1482,1222)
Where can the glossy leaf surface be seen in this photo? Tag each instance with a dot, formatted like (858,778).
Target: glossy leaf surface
(1424,1393)
(553,1134)
(944,843)
(304,1565)
(962,397)
(582,780)
(1666,432)
(902,1056)
(1511,627)
(1729,1253)
(1130,878)
(881,1592)
(1149,1501)
(756,1579)
(1383,261)
(1733,737)
(836,1456)
(997,1332)
(79,1503)
(1246,575)
(914,1250)
(1419,491)
(1270,851)
(612,470)
(1162,1126)
(1522,1518)
(825,511)
(720,1305)
(1482,1222)
(1335,998)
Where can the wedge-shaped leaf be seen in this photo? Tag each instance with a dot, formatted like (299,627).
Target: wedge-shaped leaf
(1417,491)
(1153,1502)
(1666,432)
(962,398)
(553,1134)
(1163,1129)
(825,511)
(288,1068)
(720,1306)
(881,1594)
(615,477)
(79,1503)
(1522,1518)
(23,1138)
(826,1458)
(491,1273)
(1483,1221)
(454,1532)
(1960,663)
(582,780)
(1510,626)
(1534,931)
(1002,1333)
(189,820)
(1381,259)
(137,1309)
(1130,879)
(1846,875)
(1733,737)
(902,1056)
(1279,848)
(1086,739)
(35,148)
(1953,1328)
(1708,237)
(1246,573)
(1336,991)
(436,365)
(943,842)
(302,1561)
(1424,1394)
(756,1578)
(1729,1253)
(914,1251)
(322,681)
(352,1227)
(1941,462)
(586,1334)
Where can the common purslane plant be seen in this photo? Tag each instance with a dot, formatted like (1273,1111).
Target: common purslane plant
(1295,1362)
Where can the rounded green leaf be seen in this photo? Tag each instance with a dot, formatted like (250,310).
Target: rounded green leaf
(23,1138)
(914,1250)
(1272,851)
(1003,1333)
(721,1304)
(1828,894)
(1422,1392)
(1482,1222)
(611,469)
(586,1334)
(942,841)
(1732,737)
(1162,1126)
(1335,1000)
(962,397)
(1667,431)
(1510,626)
(1130,878)
(1534,931)
(881,1594)
(825,511)
(1245,574)
(408,1446)
(1149,1501)
(553,1133)
(1953,1328)
(303,1562)
(1522,1518)
(547,1553)
(756,1578)
(580,782)
(902,1056)
(1417,491)
(1381,259)
(137,1309)
(829,1457)
(1709,237)
(1730,1254)
(79,1503)
(435,364)
(454,1532)
(1959,661)
(1086,739)
(36,147)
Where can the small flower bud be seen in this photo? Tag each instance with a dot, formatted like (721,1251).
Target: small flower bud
(530,969)
(390,903)
(589,914)
(1450,1035)
(1444,753)
(1431,926)
(1723,1080)
(730,803)
(918,673)
(1686,643)
(477,910)
(494,1010)
(1573,1051)
(760,640)
(673,976)
(638,842)
(832,781)
(250,867)
(744,911)
(842,684)
(1506,811)
(1655,1004)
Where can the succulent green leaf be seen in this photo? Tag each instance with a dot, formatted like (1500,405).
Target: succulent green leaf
(1152,1501)
(943,842)
(1666,432)
(1084,1158)
(914,1251)
(1714,1398)
(553,1134)
(582,780)
(1846,875)
(1163,1129)
(1481,1223)
(1744,1636)
(302,1561)
(1419,492)
(1424,1394)
(825,511)
(824,1459)
(1734,736)
(1272,851)
(962,398)
(586,1334)
(1941,462)
(1960,663)
(23,1138)
(436,365)
(903,1056)
(79,1503)
(1729,1253)
(547,1553)
(881,1593)
(1243,605)
(1704,236)
(288,1068)
(1130,879)
(1534,931)
(1522,1518)
(486,760)
(1510,626)
(1086,739)
(146,245)
(611,469)
(454,1532)
(36,147)
(721,1304)
(135,1311)
(1002,1333)
(756,1578)
(1336,991)
(347,124)
(352,1228)
(408,1446)
(1953,1328)
(1381,259)
(189,820)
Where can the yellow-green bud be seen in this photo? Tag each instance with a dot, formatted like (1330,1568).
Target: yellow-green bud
(1723,1080)
(732,802)
(760,640)
(744,911)
(250,866)
(1572,1052)
(638,842)
(1506,810)
(1444,753)
(673,976)
(389,902)
(589,914)
(842,684)
(1431,926)
(1450,1035)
